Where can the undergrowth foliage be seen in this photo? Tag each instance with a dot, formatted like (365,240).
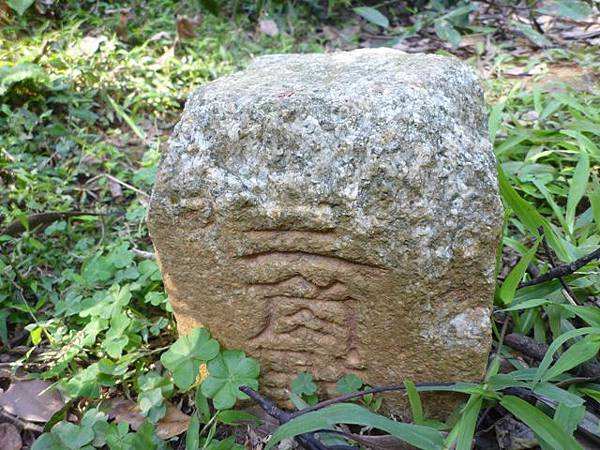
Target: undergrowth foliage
(84,112)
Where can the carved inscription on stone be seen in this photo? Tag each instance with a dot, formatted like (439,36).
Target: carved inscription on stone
(310,313)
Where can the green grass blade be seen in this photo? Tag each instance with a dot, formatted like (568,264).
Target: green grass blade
(128,120)
(511,283)
(420,436)
(577,354)
(416,407)
(568,417)
(540,423)
(577,188)
(594,197)
(468,421)
(529,216)
(556,344)
(495,120)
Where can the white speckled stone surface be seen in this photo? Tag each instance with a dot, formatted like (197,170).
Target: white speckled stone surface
(335,213)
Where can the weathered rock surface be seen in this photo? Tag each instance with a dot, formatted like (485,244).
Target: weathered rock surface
(335,213)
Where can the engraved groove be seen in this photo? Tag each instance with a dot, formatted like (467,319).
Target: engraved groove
(263,257)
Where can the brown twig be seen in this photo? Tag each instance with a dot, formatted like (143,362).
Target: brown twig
(563,270)
(567,292)
(353,395)
(307,440)
(16,227)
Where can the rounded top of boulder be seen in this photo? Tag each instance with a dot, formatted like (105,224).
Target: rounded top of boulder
(353,74)
(358,140)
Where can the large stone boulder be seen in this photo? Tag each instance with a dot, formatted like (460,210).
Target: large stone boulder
(333,214)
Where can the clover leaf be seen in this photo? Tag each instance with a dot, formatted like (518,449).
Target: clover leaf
(348,384)
(153,389)
(303,384)
(184,357)
(73,436)
(226,373)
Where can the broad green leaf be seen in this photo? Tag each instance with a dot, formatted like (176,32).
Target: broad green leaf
(373,16)
(416,407)
(446,32)
(20,6)
(540,424)
(575,355)
(226,373)
(577,188)
(303,384)
(511,283)
(348,384)
(184,357)
(348,413)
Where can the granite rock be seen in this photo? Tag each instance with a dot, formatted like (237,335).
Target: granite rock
(335,213)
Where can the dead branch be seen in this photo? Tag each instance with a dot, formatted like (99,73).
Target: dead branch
(563,270)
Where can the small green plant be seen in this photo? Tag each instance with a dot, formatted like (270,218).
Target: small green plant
(94,431)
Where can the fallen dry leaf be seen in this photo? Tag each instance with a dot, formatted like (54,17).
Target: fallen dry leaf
(471,40)
(10,438)
(172,424)
(268,27)
(186,27)
(124,410)
(25,400)
(115,189)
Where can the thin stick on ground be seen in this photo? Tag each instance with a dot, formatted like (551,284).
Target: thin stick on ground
(563,270)
(567,291)
(307,440)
